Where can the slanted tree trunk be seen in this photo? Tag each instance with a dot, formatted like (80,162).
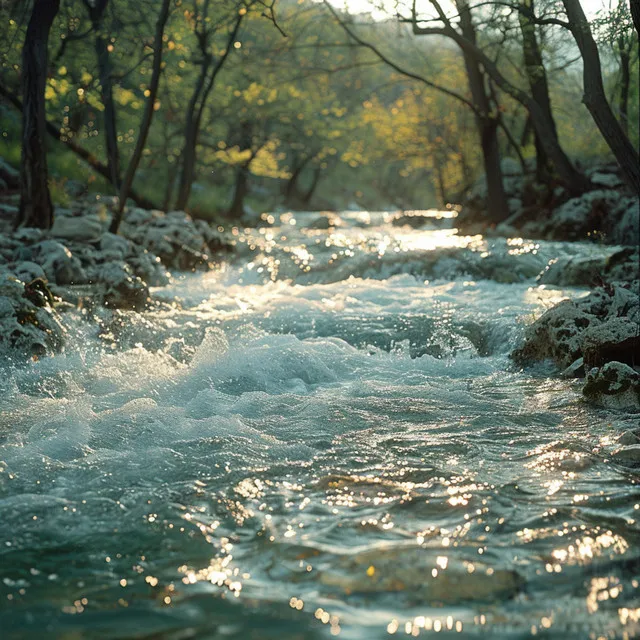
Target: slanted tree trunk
(634,6)
(573,179)
(595,98)
(96,9)
(290,188)
(537,79)
(487,122)
(625,83)
(36,209)
(147,117)
(195,114)
(188,154)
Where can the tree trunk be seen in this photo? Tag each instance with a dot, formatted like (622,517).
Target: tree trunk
(537,79)
(147,117)
(595,98)
(96,14)
(188,154)
(497,206)
(290,190)
(306,197)
(241,188)
(634,6)
(194,117)
(440,181)
(625,82)
(36,209)
(573,179)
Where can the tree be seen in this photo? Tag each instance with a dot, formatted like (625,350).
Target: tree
(209,70)
(537,80)
(147,117)
(487,119)
(96,9)
(36,209)
(595,98)
(574,180)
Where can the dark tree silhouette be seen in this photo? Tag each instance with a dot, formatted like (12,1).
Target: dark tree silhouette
(147,117)
(36,209)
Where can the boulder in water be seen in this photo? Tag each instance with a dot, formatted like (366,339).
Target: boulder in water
(559,334)
(613,386)
(122,288)
(616,339)
(28,323)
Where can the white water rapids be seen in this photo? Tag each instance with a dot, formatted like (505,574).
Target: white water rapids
(323,436)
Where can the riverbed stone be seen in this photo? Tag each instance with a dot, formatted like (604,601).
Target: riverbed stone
(173,237)
(613,386)
(559,334)
(28,271)
(122,288)
(29,325)
(604,214)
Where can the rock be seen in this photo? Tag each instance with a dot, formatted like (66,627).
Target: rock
(616,339)
(557,336)
(78,228)
(122,288)
(601,213)
(614,386)
(573,272)
(609,180)
(28,323)
(115,245)
(623,266)
(173,237)
(58,263)
(560,332)
(626,223)
(28,271)
(29,235)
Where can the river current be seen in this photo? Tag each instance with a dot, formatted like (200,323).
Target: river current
(323,436)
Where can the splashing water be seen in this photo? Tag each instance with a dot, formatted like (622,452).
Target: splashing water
(322,437)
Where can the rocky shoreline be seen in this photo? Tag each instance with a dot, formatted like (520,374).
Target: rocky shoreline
(79,264)
(609,213)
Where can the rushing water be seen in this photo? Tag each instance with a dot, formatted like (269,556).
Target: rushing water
(324,436)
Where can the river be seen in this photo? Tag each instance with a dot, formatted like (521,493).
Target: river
(323,436)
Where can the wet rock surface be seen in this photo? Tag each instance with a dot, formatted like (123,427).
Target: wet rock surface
(603,322)
(614,386)
(86,266)
(29,324)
